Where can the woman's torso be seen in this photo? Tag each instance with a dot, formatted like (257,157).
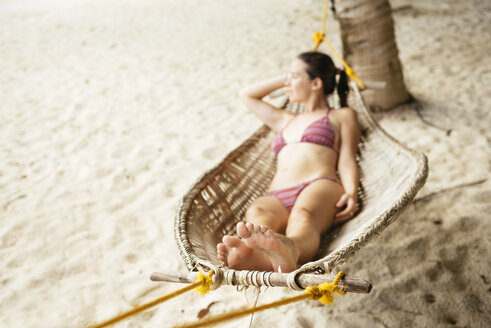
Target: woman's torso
(308,148)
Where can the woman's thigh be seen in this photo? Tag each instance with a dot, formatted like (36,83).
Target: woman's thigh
(268,211)
(316,204)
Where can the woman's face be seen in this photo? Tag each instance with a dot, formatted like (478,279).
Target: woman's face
(298,83)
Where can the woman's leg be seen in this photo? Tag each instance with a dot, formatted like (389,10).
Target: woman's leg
(311,216)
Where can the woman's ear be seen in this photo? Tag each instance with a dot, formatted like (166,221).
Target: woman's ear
(317,84)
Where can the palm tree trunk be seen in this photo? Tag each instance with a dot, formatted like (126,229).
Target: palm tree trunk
(369,46)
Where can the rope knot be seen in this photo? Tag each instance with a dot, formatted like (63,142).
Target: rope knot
(318,37)
(206,282)
(349,71)
(323,292)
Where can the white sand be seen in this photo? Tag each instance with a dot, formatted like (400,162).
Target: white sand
(110,110)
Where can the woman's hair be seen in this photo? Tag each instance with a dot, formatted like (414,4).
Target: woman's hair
(321,65)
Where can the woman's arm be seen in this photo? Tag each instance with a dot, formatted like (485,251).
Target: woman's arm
(252,95)
(347,168)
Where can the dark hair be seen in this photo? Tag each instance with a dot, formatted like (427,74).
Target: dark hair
(321,65)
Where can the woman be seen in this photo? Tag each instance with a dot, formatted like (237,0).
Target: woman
(305,198)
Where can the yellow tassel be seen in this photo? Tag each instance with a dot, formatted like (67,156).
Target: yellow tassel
(323,292)
(206,282)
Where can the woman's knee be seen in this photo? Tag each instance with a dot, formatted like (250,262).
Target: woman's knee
(254,211)
(257,213)
(304,218)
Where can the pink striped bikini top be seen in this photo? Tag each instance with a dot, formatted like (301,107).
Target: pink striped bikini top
(321,132)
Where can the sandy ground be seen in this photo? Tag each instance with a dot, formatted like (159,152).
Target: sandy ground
(111,109)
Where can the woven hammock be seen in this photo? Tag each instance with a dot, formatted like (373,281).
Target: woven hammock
(390,176)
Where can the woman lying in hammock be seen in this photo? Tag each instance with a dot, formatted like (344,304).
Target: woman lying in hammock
(305,198)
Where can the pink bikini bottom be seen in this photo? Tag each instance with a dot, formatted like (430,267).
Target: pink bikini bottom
(288,196)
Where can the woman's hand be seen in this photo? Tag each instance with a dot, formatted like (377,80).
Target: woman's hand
(348,201)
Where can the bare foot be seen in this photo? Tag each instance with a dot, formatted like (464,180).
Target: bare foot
(235,254)
(280,249)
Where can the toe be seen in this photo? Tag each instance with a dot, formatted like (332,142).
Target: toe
(222,249)
(264,228)
(230,241)
(250,226)
(242,230)
(222,252)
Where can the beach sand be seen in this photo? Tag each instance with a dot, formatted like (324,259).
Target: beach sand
(111,109)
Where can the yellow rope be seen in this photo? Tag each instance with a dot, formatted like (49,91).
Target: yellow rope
(319,37)
(322,293)
(202,286)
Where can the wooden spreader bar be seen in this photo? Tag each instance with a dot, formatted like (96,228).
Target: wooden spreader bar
(274,279)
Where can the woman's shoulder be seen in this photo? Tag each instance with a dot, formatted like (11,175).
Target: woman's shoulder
(345,113)
(345,110)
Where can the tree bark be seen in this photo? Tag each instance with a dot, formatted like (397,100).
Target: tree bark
(369,46)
